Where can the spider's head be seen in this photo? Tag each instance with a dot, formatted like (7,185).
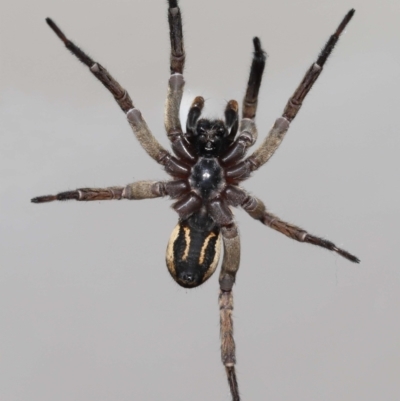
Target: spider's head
(210,137)
(193,252)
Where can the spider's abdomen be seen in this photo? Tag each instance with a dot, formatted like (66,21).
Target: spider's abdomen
(193,250)
(206,177)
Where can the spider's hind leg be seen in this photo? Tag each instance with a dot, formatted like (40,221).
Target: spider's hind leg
(222,215)
(230,266)
(228,352)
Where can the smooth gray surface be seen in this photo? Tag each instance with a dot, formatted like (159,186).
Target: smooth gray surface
(88,310)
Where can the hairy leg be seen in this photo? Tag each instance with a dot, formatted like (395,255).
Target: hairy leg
(281,125)
(120,94)
(255,208)
(222,215)
(176,83)
(135,119)
(135,191)
(253,86)
(228,351)
(230,266)
(247,128)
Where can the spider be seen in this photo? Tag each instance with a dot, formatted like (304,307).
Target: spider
(207,167)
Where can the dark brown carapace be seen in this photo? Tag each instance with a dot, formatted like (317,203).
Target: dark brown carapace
(208,164)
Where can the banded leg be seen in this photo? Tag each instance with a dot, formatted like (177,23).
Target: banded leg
(177,61)
(135,191)
(228,352)
(176,37)
(279,129)
(255,208)
(247,129)
(301,235)
(220,212)
(135,119)
(176,83)
(120,94)
(229,269)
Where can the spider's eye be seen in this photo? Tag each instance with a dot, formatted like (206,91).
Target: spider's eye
(221,131)
(200,131)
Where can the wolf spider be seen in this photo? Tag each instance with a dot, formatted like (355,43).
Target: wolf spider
(206,170)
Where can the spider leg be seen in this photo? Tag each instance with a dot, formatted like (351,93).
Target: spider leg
(253,86)
(247,129)
(120,94)
(281,126)
(222,215)
(230,266)
(135,119)
(227,342)
(135,191)
(255,208)
(176,83)
(301,235)
(176,37)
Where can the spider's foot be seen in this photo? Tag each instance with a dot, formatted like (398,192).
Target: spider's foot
(43,199)
(331,246)
(347,255)
(173,3)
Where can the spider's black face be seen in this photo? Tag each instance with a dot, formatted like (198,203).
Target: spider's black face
(209,137)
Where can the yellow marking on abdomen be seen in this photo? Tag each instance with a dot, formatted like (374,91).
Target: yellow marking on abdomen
(170,250)
(204,247)
(187,240)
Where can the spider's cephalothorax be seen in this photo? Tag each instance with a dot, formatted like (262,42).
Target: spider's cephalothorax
(209,163)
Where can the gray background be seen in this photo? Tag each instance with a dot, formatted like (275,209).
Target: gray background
(88,309)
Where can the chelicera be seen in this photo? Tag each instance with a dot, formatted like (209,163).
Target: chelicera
(207,165)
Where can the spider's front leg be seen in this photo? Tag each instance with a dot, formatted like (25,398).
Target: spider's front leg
(135,191)
(135,119)
(250,100)
(120,94)
(281,125)
(247,129)
(176,83)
